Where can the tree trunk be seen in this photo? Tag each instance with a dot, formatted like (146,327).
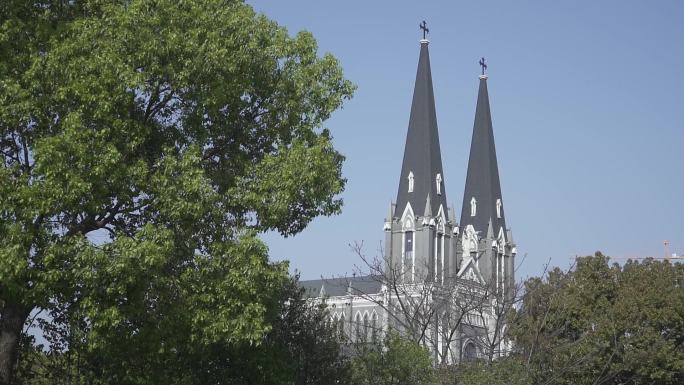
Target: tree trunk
(11,324)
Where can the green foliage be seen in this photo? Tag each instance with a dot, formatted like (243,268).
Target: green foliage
(398,361)
(602,323)
(303,348)
(503,371)
(144,144)
(313,344)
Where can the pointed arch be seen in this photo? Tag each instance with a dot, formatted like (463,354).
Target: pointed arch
(408,218)
(408,243)
(501,237)
(469,352)
(441,218)
(438,183)
(439,244)
(357,327)
(374,327)
(341,324)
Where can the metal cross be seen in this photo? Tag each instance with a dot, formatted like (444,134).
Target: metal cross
(483,65)
(425,29)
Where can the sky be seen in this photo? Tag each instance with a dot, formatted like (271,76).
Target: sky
(587,105)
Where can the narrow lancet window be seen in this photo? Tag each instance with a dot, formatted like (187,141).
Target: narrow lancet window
(470,352)
(410,181)
(498,208)
(440,258)
(408,254)
(374,327)
(473,207)
(438,181)
(357,327)
(341,325)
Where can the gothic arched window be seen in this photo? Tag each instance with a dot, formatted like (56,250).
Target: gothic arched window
(374,327)
(498,208)
(357,327)
(438,182)
(470,352)
(473,207)
(408,252)
(341,325)
(440,257)
(410,181)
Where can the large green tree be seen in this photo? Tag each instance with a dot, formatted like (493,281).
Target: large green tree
(396,361)
(144,145)
(603,323)
(303,347)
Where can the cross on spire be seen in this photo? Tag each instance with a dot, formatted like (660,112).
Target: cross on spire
(425,29)
(483,65)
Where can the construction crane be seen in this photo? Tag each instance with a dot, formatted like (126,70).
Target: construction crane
(667,256)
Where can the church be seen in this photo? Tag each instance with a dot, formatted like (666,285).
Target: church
(447,283)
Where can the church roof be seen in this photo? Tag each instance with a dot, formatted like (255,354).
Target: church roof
(482,180)
(334,287)
(422,157)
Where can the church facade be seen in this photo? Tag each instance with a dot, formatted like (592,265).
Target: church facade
(443,282)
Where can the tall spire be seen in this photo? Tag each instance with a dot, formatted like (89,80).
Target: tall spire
(421,171)
(482,202)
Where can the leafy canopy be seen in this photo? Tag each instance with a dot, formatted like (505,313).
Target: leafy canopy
(144,144)
(397,361)
(602,323)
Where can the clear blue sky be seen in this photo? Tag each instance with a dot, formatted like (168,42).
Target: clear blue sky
(588,109)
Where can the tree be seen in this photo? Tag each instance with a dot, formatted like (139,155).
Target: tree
(510,370)
(144,145)
(312,341)
(602,323)
(303,348)
(397,361)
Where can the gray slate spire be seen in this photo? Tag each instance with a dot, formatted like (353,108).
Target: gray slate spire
(422,155)
(482,181)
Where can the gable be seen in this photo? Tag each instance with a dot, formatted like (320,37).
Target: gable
(469,271)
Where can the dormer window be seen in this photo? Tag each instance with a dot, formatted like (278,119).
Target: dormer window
(473,207)
(498,208)
(410,180)
(438,181)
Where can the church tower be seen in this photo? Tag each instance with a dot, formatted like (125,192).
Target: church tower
(433,265)
(418,228)
(485,241)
